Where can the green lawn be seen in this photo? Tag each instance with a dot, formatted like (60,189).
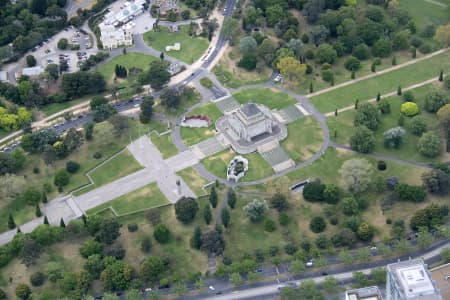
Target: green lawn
(53,108)
(304,139)
(146,197)
(118,167)
(164,144)
(83,155)
(191,47)
(424,12)
(271,98)
(257,167)
(343,124)
(194,180)
(192,136)
(383,84)
(129,60)
(218,163)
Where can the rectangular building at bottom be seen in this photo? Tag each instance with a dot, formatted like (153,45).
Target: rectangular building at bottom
(366,293)
(410,280)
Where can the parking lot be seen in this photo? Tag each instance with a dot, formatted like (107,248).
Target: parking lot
(49,53)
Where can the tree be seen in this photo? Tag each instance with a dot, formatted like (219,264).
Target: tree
(196,239)
(363,140)
(409,109)
(158,76)
(317,224)
(436,181)
(291,68)
(441,76)
(445,255)
(73,139)
(360,279)
(32,196)
(279,202)
(365,232)
(185,209)
(230,29)
(383,105)
(212,242)
(356,174)
(435,99)
(235,279)
(248,62)
(38,212)
(325,53)
(207,215)
(274,14)
(108,231)
(62,43)
(382,48)
(352,64)
(430,145)
(266,51)
(30,251)
(247,45)
(11,223)
(152,269)
(331,194)
(52,71)
(442,35)
(46,220)
(367,115)
(424,237)
(88,130)
(225,217)
(313,191)
(418,125)
(146,109)
(116,275)
(256,209)
(91,247)
(330,284)
(231,198)
(97,101)
(161,234)
(23,291)
(31,61)
(393,137)
(213,197)
(361,51)
(94,266)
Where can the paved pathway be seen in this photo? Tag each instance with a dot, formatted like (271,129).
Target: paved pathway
(409,62)
(411,87)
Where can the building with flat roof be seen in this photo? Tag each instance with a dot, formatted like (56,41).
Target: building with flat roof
(441,276)
(410,280)
(117,28)
(3,76)
(366,293)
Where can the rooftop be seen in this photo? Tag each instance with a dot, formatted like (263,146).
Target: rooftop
(250,109)
(367,293)
(414,279)
(441,276)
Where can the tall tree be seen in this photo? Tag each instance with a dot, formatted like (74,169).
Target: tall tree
(146,110)
(356,174)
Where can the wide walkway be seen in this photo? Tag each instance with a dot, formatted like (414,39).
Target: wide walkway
(156,169)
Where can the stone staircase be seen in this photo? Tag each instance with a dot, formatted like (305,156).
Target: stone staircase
(290,114)
(227,105)
(210,146)
(275,155)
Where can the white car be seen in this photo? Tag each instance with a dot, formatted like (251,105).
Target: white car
(310,263)
(212,288)
(278,78)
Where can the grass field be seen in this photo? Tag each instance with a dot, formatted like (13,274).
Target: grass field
(146,197)
(218,163)
(271,98)
(53,108)
(83,155)
(230,75)
(424,12)
(191,47)
(192,136)
(129,60)
(164,144)
(388,82)
(343,124)
(194,180)
(118,167)
(304,139)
